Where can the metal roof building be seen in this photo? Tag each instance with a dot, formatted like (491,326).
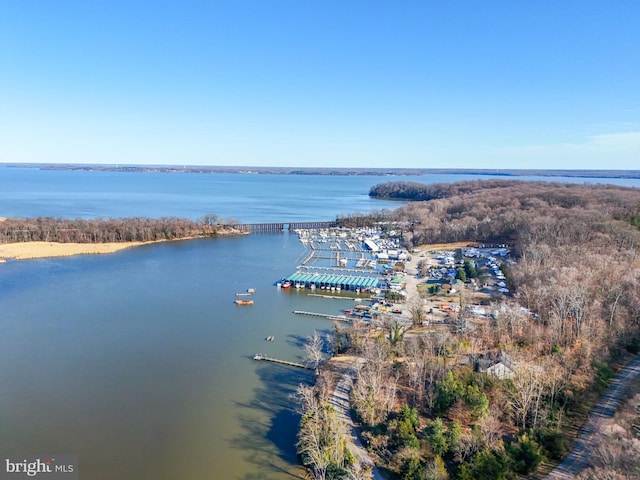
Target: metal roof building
(347,282)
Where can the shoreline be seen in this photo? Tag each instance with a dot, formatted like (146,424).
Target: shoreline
(36,250)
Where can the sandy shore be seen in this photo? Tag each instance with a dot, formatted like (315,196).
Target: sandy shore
(28,250)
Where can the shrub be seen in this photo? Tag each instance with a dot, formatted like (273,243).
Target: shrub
(525,455)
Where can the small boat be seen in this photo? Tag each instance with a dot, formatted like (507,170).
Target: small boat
(251,290)
(242,301)
(270,338)
(286,285)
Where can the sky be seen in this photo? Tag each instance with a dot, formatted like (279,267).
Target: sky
(542,84)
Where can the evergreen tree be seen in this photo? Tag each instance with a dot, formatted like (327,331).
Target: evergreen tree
(438,438)
(470,270)
(448,390)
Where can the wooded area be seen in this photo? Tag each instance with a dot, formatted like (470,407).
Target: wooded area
(427,411)
(136,229)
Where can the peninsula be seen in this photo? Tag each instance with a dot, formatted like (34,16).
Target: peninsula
(50,237)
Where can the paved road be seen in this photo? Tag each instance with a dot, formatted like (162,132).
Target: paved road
(340,401)
(606,407)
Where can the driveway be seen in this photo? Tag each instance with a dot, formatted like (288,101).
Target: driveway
(340,401)
(587,440)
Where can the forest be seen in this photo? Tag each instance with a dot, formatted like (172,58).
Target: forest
(572,316)
(135,229)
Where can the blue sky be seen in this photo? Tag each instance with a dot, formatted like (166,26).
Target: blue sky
(345,83)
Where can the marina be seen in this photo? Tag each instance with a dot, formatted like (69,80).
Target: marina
(345,260)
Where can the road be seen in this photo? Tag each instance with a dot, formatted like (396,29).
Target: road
(340,401)
(587,439)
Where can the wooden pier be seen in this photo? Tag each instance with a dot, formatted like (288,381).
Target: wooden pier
(264,358)
(339,318)
(276,227)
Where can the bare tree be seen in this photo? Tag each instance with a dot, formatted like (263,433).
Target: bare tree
(313,347)
(528,388)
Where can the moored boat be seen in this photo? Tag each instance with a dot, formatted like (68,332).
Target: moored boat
(242,301)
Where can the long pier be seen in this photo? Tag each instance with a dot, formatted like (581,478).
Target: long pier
(264,358)
(277,227)
(339,318)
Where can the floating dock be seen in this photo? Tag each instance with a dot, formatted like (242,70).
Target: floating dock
(260,357)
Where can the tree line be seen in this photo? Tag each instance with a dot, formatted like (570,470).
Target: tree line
(134,229)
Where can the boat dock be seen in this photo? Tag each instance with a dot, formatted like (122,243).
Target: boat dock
(264,358)
(344,282)
(339,318)
(336,297)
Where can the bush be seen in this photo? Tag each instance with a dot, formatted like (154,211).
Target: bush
(411,469)
(485,465)
(604,374)
(525,455)
(555,444)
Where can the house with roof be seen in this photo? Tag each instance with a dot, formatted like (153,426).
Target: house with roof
(498,364)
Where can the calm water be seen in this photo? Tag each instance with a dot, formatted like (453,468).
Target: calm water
(139,361)
(28,192)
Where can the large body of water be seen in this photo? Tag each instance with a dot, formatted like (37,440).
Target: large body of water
(139,362)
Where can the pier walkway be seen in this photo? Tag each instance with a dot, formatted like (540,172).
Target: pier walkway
(339,318)
(276,227)
(264,358)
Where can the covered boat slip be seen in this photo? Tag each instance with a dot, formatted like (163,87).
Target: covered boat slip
(347,282)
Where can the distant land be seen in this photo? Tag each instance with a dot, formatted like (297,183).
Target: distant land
(328,171)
